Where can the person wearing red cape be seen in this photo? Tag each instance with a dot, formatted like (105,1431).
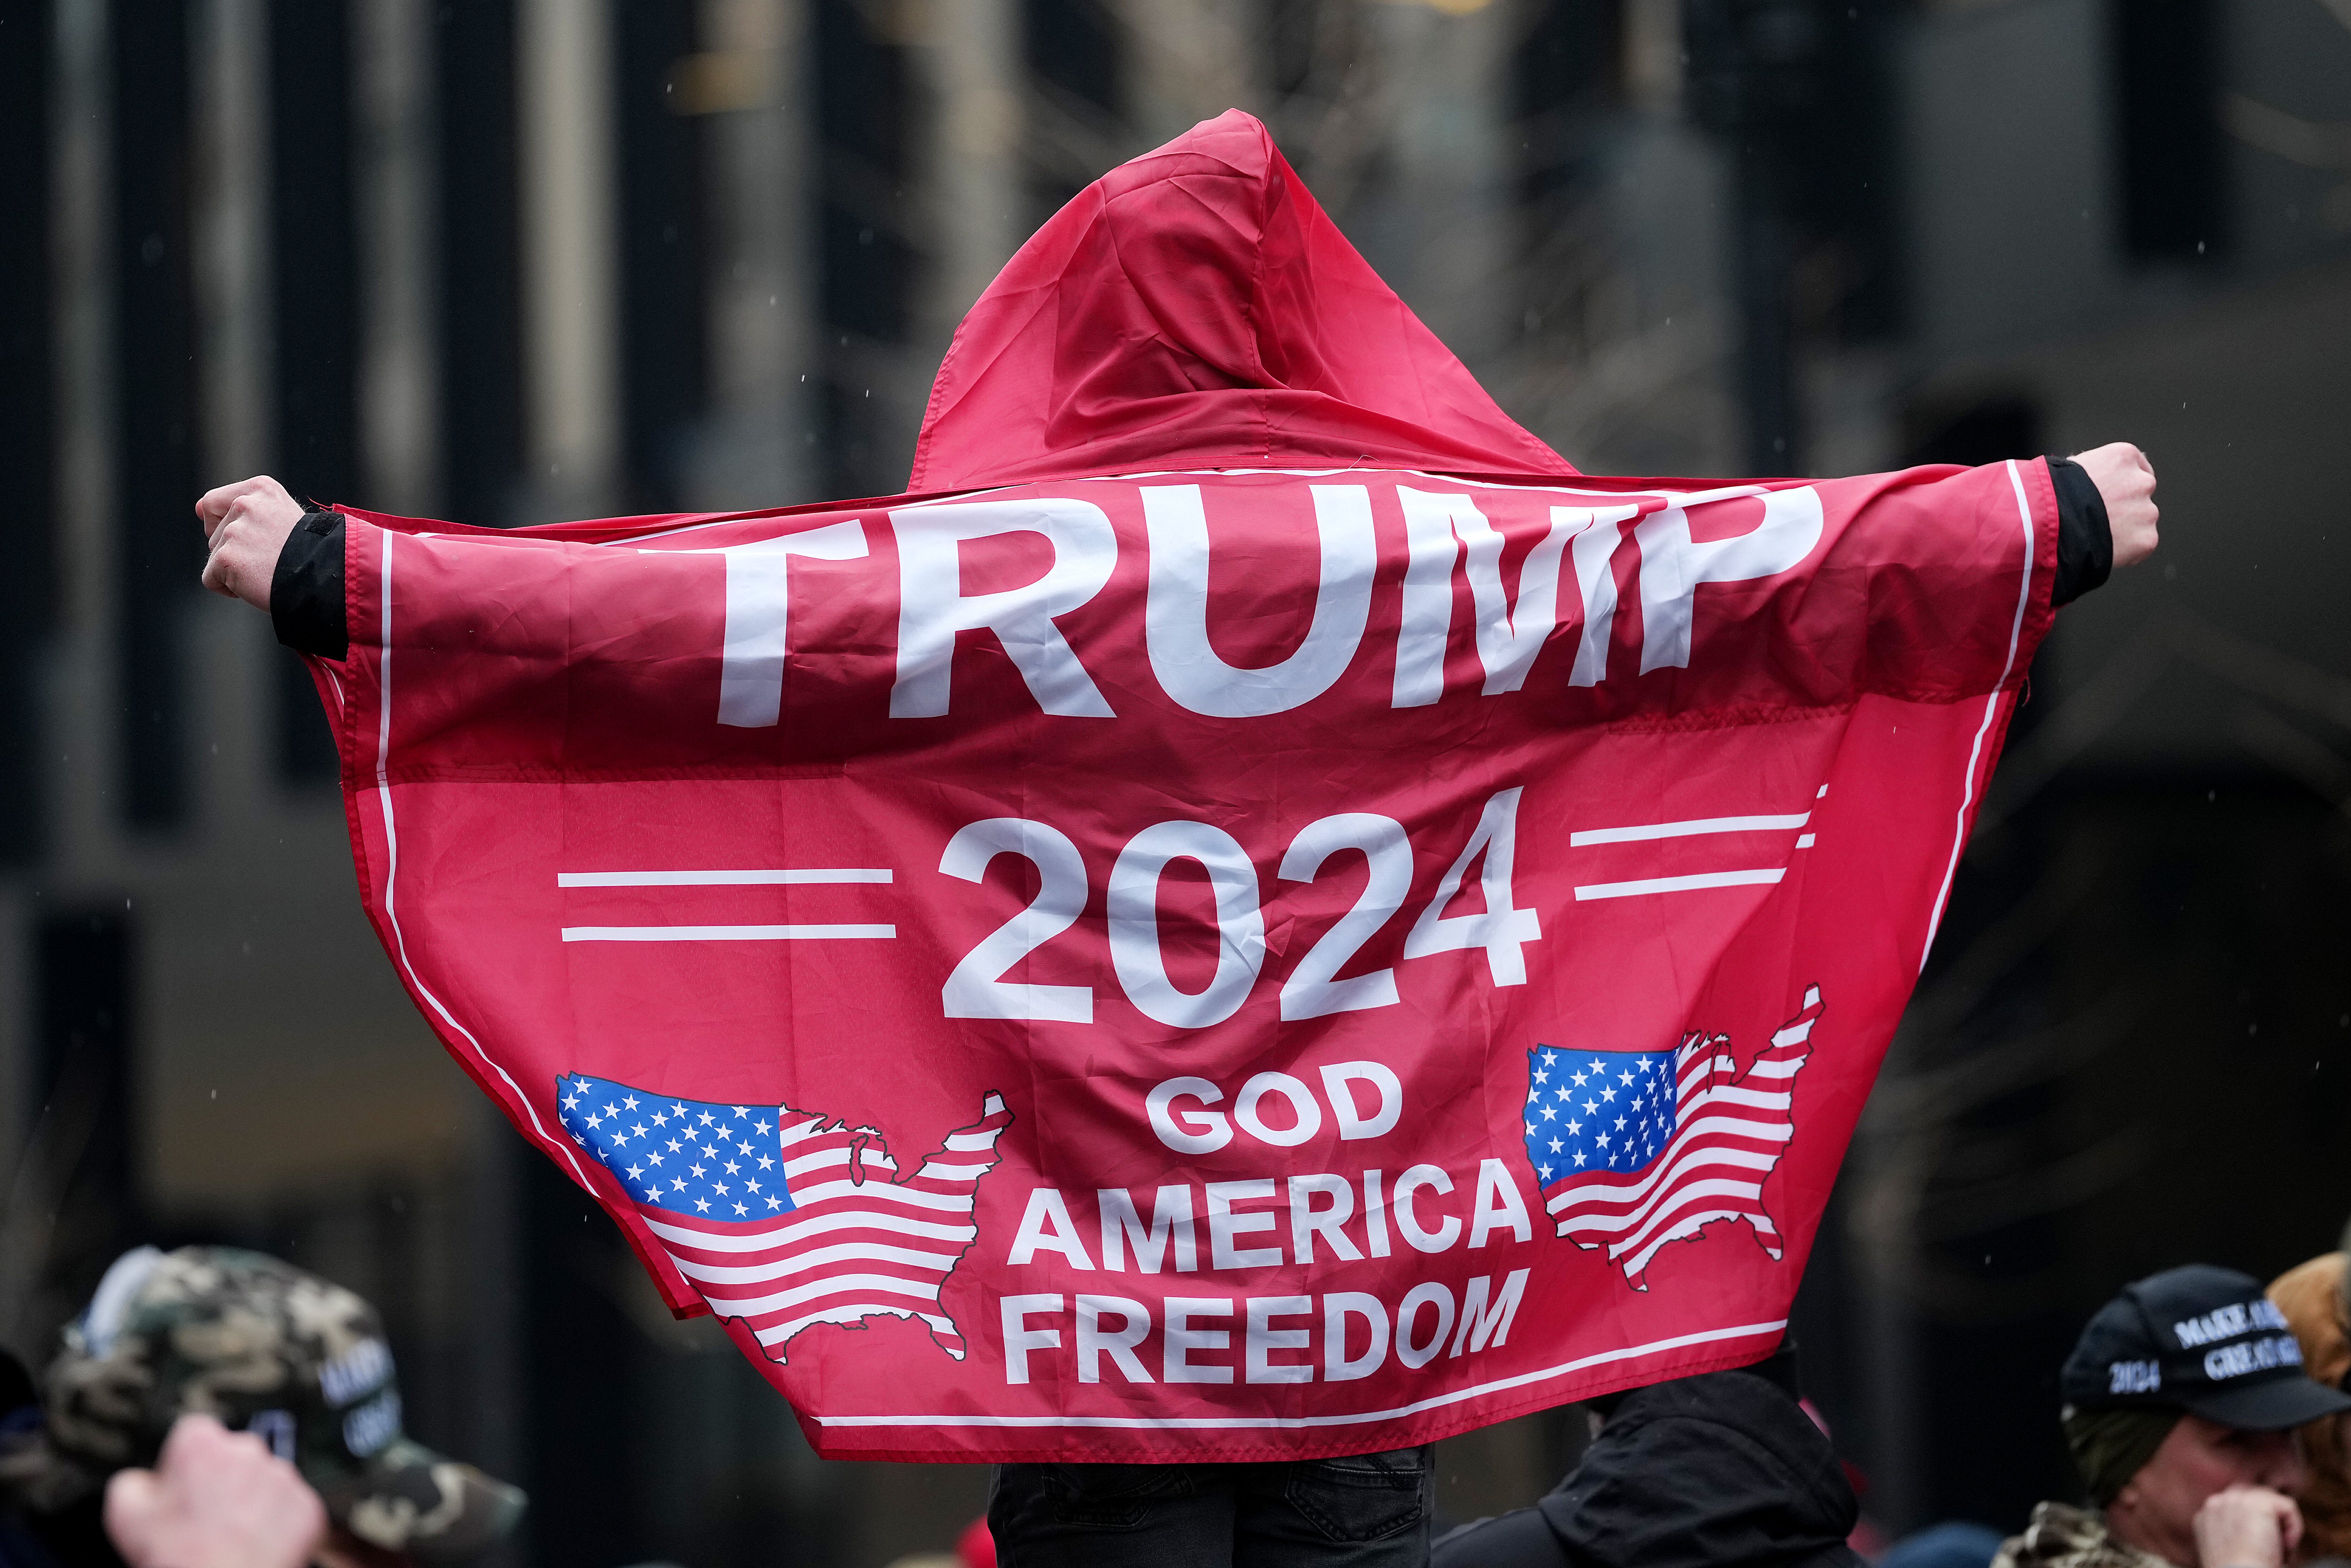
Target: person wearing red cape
(1658,785)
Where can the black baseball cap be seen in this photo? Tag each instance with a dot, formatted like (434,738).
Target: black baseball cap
(2198,1339)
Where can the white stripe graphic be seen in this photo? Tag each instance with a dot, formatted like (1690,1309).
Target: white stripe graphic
(790,878)
(1991,706)
(1691,884)
(1686,830)
(728,933)
(1298,1423)
(1690,1223)
(391,866)
(886,1285)
(848,1220)
(850,1314)
(1713,1155)
(816,1257)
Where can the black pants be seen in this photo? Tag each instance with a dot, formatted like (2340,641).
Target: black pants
(1366,1510)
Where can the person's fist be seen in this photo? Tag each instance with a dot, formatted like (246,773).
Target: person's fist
(215,1498)
(2125,482)
(2247,1527)
(245,524)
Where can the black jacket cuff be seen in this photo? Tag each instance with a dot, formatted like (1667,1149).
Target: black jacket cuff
(2086,543)
(306,592)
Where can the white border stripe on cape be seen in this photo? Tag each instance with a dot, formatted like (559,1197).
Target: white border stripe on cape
(1294,1423)
(392,863)
(1991,706)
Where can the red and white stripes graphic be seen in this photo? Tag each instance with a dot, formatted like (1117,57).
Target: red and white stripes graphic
(861,1241)
(1729,1130)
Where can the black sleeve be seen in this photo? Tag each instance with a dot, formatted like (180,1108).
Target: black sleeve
(1717,1470)
(2085,541)
(306,592)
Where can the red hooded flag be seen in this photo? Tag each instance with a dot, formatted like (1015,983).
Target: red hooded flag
(1255,912)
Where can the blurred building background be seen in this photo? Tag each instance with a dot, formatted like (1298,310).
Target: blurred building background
(511,260)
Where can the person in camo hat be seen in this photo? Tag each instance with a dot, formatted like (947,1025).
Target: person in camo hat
(265,1348)
(2181,1401)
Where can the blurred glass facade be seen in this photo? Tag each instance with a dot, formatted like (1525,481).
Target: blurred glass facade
(512,260)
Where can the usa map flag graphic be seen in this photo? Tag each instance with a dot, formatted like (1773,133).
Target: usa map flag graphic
(788,1219)
(1634,1149)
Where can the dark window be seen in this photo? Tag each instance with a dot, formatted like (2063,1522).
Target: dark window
(2167,83)
(1989,431)
(865,264)
(161,550)
(28,437)
(316,278)
(481,333)
(1070,49)
(1565,78)
(83,1144)
(661,250)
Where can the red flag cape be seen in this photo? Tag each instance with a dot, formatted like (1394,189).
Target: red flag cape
(1253,914)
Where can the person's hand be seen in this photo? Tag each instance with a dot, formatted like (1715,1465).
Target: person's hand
(215,1498)
(2125,482)
(2247,1527)
(245,524)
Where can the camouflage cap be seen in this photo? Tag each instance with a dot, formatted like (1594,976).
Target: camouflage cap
(270,1349)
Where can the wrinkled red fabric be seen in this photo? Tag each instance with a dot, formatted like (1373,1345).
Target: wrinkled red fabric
(1065,896)
(1196,307)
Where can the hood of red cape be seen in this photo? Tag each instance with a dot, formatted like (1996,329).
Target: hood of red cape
(1196,307)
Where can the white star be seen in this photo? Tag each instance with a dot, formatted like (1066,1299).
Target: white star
(661,1118)
(612,1109)
(677,1107)
(697,1172)
(1555,1145)
(1530,1129)
(653,1158)
(740,1209)
(678,1186)
(766,1160)
(732,1168)
(639,1129)
(1608,1095)
(1602,1139)
(1541,1076)
(702,1204)
(676,1147)
(775,1203)
(751,1183)
(719,1187)
(1624,1078)
(741,1112)
(745,1148)
(572,1103)
(1580,1078)
(595,1121)
(1579,1157)
(1598,1065)
(1551,1112)
(579,1140)
(1620,1123)
(620,1138)
(1546,1172)
(1549,1057)
(630,1101)
(1590,1106)
(636,1172)
(1575,1127)
(1565,1093)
